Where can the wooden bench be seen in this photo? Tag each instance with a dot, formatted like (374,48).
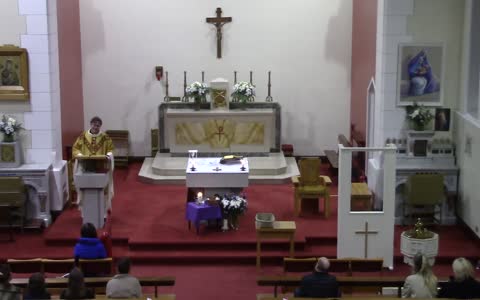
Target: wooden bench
(98,282)
(343,281)
(344,266)
(61,266)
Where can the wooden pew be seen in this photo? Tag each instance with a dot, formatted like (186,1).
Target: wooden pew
(95,282)
(343,281)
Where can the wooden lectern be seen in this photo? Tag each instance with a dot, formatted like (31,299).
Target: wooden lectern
(92,175)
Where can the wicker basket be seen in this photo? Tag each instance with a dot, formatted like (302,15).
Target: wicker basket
(264,220)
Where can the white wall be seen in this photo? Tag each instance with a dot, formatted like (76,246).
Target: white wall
(306,45)
(31,24)
(419,21)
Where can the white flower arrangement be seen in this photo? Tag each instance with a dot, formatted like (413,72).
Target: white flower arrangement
(9,126)
(243,91)
(233,205)
(197,90)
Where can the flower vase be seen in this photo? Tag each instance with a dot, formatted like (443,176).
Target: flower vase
(8,138)
(234,222)
(197,103)
(225,225)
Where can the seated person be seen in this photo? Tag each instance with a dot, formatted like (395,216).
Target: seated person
(89,246)
(36,288)
(463,284)
(8,291)
(422,283)
(319,284)
(76,287)
(124,285)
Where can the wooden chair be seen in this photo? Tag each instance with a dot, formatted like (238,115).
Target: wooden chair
(424,192)
(102,266)
(12,203)
(154,134)
(122,146)
(310,185)
(25,266)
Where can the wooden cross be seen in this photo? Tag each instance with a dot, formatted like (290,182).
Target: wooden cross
(218,22)
(366,233)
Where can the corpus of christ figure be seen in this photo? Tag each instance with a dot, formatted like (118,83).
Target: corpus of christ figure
(218,22)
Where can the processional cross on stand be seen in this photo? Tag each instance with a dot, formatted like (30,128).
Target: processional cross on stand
(218,22)
(366,233)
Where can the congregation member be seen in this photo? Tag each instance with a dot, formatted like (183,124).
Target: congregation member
(89,246)
(463,284)
(124,285)
(319,284)
(36,288)
(76,287)
(7,290)
(422,283)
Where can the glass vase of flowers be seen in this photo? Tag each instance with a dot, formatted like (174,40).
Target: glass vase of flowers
(9,127)
(243,92)
(419,116)
(232,207)
(198,91)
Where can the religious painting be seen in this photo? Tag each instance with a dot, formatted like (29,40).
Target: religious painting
(219,99)
(442,119)
(421,69)
(14,82)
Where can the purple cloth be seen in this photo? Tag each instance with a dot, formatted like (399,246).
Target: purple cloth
(198,212)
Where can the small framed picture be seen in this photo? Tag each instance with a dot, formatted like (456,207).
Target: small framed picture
(442,119)
(219,99)
(14,81)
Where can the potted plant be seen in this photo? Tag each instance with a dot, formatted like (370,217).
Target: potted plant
(243,92)
(232,207)
(419,116)
(198,91)
(9,126)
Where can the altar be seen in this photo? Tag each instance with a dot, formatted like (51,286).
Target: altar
(215,178)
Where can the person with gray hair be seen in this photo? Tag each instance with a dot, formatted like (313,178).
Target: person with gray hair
(319,284)
(462,284)
(422,283)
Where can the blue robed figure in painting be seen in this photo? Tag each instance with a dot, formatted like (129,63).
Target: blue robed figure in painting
(422,79)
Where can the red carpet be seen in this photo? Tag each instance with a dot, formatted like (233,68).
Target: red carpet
(148,224)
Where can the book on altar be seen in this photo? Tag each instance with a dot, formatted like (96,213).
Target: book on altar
(229,159)
(93,163)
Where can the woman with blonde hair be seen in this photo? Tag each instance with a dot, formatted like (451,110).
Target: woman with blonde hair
(422,283)
(462,284)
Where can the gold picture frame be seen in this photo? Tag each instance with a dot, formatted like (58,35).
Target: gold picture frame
(14,76)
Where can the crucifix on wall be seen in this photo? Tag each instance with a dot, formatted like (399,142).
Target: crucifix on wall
(218,22)
(366,233)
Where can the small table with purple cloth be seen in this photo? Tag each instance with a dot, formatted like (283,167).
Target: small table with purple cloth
(198,212)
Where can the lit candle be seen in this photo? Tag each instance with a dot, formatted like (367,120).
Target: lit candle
(199,195)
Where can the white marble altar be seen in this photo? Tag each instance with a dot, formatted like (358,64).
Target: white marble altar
(220,131)
(209,173)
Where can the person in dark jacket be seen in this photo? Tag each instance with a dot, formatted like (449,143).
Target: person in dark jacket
(463,284)
(36,288)
(319,284)
(76,287)
(8,291)
(89,245)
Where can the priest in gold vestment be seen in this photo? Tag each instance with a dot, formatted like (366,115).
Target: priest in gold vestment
(95,142)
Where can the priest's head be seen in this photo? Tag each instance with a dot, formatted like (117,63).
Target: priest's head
(95,125)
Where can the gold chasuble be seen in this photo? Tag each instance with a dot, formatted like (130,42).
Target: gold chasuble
(92,144)
(95,144)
